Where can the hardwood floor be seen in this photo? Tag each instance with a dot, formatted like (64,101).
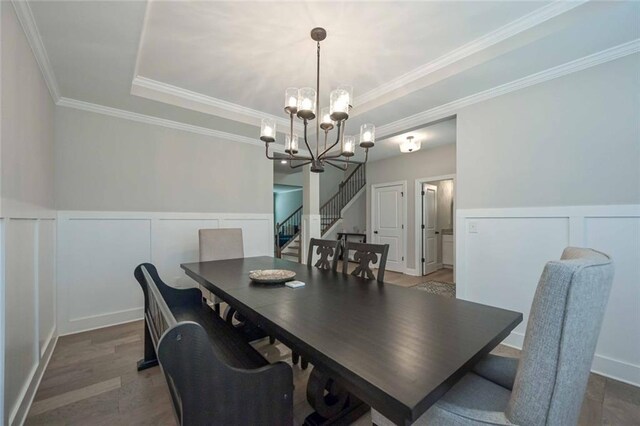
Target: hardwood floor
(92,379)
(397,278)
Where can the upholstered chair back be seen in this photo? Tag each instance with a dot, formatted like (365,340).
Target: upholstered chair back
(561,338)
(220,244)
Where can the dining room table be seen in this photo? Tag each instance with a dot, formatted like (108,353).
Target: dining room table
(371,344)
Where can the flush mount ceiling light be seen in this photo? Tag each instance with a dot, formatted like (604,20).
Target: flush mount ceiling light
(305,104)
(410,145)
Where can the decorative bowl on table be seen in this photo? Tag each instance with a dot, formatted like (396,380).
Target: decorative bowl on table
(271,276)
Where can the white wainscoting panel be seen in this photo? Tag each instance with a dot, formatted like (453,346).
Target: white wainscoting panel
(46,282)
(96,262)
(175,241)
(619,341)
(506,256)
(257,234)
(98,252)
(21,327)
(501,254)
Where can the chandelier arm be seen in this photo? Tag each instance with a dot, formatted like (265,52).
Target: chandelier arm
(332,157)
(334,144)
(299,165)
(341,160)
(290,136)
(305,140)
(326,135)
(338,167)
(318,103)
(266,146)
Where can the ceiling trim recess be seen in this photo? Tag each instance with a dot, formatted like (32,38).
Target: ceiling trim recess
(167,93)
(449,109)
(148,119)
(505,32)
(28,23)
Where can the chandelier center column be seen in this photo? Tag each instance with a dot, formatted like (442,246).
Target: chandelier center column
(310,209)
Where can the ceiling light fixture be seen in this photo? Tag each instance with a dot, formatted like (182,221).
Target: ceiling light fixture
(284,161)
(305,104)
(410,145)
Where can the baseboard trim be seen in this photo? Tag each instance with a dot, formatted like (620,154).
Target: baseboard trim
(602,365)
(19,415)
(616,369)
(78,325)
(411,271)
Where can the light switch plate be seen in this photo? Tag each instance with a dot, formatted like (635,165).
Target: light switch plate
(473,227)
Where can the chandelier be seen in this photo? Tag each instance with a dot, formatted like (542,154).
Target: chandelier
(304,104)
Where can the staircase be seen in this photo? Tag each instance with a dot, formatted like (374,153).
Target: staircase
(287,237)
(287,233)
(331,211)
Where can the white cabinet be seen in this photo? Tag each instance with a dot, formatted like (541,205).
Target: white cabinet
(447,249)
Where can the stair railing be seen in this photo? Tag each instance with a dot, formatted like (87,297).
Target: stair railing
(287,231)
(330,212)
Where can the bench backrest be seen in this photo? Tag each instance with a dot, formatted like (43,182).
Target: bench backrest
(205,389)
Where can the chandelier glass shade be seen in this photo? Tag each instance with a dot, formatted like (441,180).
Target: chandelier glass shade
(304,104)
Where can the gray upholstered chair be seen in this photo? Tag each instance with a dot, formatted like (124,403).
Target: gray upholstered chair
(547,385)
(219,244)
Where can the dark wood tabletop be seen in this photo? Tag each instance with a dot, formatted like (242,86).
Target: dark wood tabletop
(397,349)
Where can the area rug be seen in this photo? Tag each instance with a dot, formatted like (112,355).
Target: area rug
(438,287)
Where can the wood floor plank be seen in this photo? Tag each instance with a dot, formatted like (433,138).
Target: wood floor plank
(67,398)
(108,390)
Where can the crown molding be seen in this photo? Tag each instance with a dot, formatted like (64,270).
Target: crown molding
(167,93)
(148,119)
(452,108)
(509,30)
(28,23)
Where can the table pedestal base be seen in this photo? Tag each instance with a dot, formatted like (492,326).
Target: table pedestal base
(333,404)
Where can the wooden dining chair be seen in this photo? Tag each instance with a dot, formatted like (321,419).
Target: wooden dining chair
(328,252)
(366,255)
(219,244)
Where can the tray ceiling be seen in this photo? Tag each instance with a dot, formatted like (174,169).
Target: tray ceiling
(224,65)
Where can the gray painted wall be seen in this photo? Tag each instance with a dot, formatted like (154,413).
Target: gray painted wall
(329,181)
(574,140)
(110,164)
(27,124)
(27,192)
(293,179)
(432,162)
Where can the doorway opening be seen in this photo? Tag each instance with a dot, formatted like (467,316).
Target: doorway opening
(436,205)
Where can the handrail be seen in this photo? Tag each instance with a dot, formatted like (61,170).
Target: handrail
(291,227)
(330,211)
(290,216)
(341,184)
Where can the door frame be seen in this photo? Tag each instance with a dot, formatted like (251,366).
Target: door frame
(423,231)
(373,187)
(417,226)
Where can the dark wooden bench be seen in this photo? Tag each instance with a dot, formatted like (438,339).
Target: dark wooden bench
(214,375)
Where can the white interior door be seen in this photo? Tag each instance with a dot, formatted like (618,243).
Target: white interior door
(429,230)
(388,223)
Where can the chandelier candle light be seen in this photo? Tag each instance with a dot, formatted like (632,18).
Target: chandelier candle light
(304,103)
